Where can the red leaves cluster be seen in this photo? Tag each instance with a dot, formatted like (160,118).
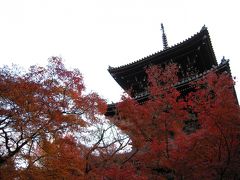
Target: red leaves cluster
(61,158)
(213,150)
(157,127)
(41,105)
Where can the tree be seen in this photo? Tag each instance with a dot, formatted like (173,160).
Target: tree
(154,124)
(39,106)
(163,146)
(213,150)
(50,127)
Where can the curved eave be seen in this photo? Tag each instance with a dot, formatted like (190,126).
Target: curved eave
(171,50)
(222,67)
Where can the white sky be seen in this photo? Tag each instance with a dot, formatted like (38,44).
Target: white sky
(92,34)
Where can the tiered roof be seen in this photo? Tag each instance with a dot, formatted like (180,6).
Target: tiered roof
(195,52)
(181,85)
(131,76)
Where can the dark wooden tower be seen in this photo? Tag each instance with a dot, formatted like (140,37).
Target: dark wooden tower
(194,56)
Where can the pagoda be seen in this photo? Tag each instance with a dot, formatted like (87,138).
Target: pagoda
(194,57)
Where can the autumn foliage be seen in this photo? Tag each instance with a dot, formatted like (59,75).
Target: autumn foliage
(50,128)
(37,109)
(193,135)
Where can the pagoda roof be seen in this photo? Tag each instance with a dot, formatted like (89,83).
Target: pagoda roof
(132,77)
(196,38)
(181,85)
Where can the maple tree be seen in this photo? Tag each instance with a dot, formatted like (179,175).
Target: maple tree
(187,136)
(40,105)
(213,150)
(153,124)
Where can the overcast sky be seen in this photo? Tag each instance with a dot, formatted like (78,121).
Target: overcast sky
(92,34)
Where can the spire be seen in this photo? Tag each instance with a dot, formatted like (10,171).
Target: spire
(164,37)
(203,28)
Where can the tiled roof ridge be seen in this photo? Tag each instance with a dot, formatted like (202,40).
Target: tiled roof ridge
(161,51)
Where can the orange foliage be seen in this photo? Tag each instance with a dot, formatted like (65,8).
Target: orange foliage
(43,103)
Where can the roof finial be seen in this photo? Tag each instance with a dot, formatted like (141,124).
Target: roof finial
(164,37)
(203,28)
